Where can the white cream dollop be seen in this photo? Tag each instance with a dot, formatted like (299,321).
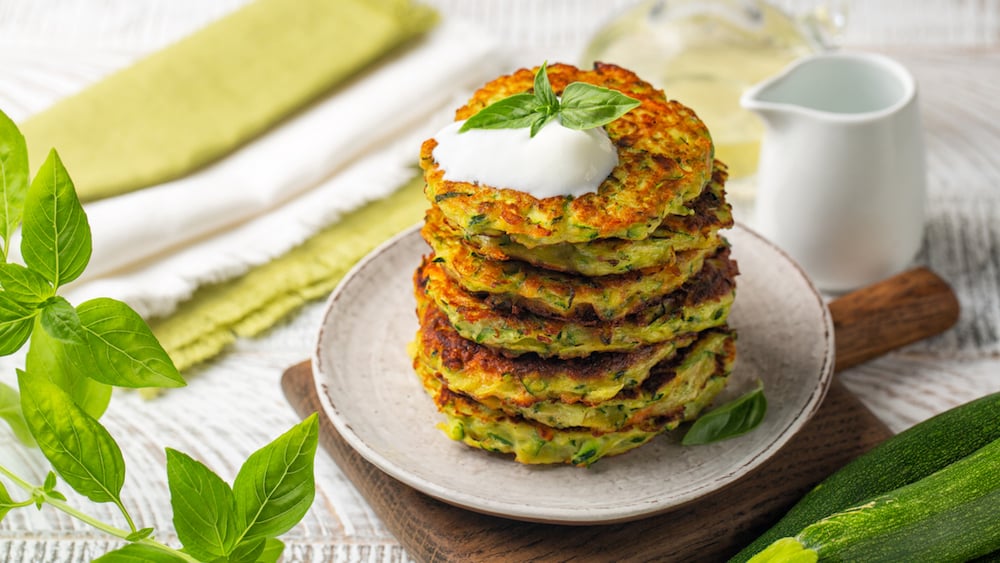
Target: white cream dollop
(557,161)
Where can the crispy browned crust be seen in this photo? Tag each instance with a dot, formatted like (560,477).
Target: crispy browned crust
(553,293)
(701,303)
(437,336)
(709,212)
(665,158)
(696,230)
(715,279)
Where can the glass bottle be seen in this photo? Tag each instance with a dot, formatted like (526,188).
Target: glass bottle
(704,53)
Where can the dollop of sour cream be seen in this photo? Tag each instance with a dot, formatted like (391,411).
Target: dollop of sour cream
(557,161)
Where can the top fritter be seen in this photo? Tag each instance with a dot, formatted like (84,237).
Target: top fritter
(664,159)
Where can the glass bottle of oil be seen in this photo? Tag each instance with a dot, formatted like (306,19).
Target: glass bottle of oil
(704,53)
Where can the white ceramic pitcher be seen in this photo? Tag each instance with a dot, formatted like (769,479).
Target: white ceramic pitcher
(841,178)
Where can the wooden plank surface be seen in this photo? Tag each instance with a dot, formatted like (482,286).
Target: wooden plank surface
(710,529)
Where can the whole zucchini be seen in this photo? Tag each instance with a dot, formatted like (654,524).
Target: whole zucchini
(902,459)
(950,515)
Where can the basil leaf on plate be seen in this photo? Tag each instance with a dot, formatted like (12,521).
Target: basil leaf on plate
(732,419)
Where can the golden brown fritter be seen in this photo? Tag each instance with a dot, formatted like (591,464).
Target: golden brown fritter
(701,303)
(552,293)
(484,373)
(531,442)
(665,158)
(696,229)
(534,442)
(604,392)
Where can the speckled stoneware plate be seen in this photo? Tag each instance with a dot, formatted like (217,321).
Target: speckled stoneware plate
(368,389)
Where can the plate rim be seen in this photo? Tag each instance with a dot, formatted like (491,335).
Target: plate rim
(502,509)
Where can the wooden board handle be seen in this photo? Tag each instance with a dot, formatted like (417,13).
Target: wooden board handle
(903,309)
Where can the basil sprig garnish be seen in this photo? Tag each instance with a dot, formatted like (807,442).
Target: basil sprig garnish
(732,419)
(583,106)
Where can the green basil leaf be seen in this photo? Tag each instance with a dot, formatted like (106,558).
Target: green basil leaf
(547,98)
(139,553)
(732,419)
(60,321)
(139,534)
(55,238)
(541,122)
(23,285)
(516,112)
(6,503)
(78,447)
(585,106)
(48,356)
(204,507)
(275,488)
(248,551)
(10,412)
(50,482)
(273,548)
(121,349)
(13,178)
(16,321)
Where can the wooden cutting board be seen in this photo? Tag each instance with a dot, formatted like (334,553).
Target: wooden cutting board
(869,322)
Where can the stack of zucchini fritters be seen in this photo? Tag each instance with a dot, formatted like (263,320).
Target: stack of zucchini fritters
(564,329)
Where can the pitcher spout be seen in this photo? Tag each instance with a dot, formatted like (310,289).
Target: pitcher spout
(833,86)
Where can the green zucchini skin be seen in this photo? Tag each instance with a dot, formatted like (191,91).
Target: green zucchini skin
(991,558)
(950,515)
(902,459)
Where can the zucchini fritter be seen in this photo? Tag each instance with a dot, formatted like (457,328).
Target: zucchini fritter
(701,303)
(532,441)
(553,293)
(665,158)
(604,392)
(484,373)
(696,229)
(675,390)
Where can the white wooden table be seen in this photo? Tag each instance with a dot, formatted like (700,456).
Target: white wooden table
(234,404)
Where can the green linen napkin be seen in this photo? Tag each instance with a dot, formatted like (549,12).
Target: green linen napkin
(202,97)
(216,315)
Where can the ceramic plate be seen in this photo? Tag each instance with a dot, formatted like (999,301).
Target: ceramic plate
(369,391)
